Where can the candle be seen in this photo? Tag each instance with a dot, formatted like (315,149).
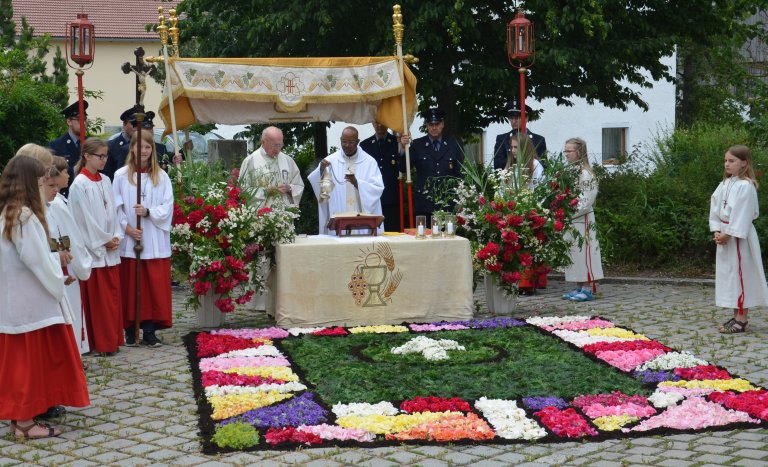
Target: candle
(420,230)
(435,229)
(449,227)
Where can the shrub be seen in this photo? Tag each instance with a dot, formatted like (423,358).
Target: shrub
(653,209)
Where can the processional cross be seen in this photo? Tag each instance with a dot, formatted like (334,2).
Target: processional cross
(141,70)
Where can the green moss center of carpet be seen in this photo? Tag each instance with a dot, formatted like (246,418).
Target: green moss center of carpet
(506,363)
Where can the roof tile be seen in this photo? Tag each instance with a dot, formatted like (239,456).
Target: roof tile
(124,20)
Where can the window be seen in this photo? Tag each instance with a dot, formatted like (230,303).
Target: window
(614,145)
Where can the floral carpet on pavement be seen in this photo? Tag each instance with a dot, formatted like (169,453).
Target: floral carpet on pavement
(500,380)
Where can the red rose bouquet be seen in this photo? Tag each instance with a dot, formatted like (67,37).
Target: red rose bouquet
(514,226)
(219,241)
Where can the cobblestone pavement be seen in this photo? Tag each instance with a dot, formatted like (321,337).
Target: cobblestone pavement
(143,413)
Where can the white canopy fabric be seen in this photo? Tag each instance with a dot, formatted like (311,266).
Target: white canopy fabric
(277,90)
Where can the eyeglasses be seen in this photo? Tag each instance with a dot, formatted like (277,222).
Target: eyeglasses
(102,157)
(346,142)
(276,145)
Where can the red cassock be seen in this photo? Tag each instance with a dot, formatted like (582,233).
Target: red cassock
(38,370)
(155,296)
(103,309)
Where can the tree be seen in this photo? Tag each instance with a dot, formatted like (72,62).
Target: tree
(30,99)
(585,48)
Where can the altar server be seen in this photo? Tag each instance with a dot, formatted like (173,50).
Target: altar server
(40,366)
(66,238)
(93,207)
(739,276)
(586,264)
(355,181)
(156,210)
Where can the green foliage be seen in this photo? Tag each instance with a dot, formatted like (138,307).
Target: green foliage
(30,99)
(461,45)
(660,218)
(530,364)
(306,161)
(237,435)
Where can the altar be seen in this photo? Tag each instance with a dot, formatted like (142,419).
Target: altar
(350,281)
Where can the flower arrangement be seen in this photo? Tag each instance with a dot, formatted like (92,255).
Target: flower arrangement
(219,241)
(512,226)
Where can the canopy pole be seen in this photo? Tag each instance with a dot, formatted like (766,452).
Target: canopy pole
(398,28)
(162,30)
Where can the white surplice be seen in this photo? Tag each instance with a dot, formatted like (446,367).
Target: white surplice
(587,265)
(93,206)
(156,228)
(32,290)
(259,171)
(370,186)
(739,275)
(62,224)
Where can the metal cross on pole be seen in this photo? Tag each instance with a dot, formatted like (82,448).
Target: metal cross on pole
(141,70)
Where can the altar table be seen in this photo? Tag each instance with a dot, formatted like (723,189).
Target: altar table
(351,281)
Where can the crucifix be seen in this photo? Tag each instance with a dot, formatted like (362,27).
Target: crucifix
(141,70)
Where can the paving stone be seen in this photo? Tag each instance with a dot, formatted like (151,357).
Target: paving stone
(675,463)
(750,463)
(750,453)
(713,458)
(404,457)
(460,458)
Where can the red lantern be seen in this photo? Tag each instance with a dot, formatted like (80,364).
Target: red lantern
(521,53)
(80,41)
(521,41)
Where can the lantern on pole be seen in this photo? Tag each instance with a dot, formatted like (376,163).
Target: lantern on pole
(80,42)
(521,52)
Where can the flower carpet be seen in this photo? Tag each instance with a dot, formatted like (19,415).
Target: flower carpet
(500,380)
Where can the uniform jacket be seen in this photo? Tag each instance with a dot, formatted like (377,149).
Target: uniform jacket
(386,156)
(446,162)
(501,148)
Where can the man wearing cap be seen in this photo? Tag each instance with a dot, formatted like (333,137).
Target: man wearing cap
(501,148)
(118,145)
(163,155)
(383,147)
(434,156)
(68,144)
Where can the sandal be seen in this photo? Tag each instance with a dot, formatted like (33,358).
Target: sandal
(734,327)
(15,428)
(727,323)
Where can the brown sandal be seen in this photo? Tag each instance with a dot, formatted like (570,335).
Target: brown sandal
(52,431)
(734,327)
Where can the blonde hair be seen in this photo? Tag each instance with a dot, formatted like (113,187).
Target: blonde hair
(132,161)
(526,148)
(90,146)
(35,151)
(60,163)
(743,153)
(19,189)
(581,150)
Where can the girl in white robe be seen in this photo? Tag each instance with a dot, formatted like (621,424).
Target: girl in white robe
(40,367)
(739,276)
(155,208)
(93,206)
(586,263)
(66,236)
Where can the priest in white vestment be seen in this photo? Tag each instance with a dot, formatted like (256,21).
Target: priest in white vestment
(270,175)
(357,183)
